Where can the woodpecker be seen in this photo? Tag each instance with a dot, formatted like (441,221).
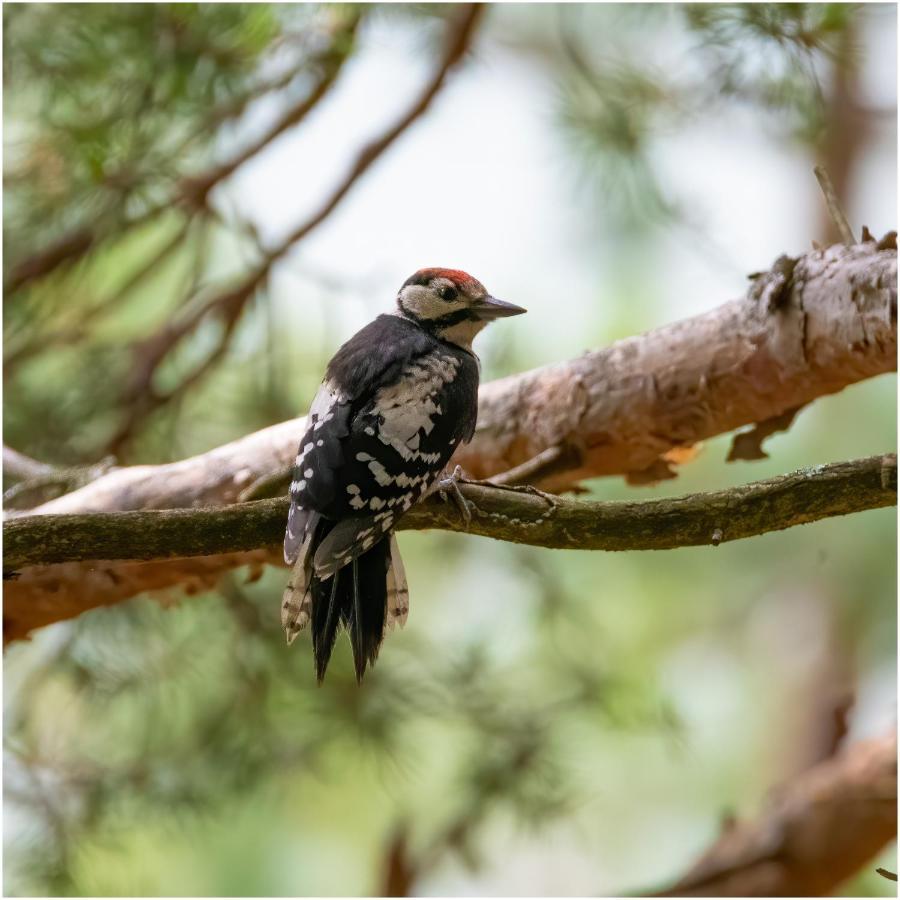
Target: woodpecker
(395,403)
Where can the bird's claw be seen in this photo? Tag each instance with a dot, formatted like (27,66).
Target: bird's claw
(449,487)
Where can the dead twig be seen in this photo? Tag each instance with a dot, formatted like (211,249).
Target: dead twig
(834,206)
(19,467)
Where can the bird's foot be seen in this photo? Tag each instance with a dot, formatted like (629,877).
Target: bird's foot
(448,487)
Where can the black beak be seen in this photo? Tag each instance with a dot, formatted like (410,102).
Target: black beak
(490,308)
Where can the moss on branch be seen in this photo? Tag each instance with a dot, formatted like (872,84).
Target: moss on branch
(504,513)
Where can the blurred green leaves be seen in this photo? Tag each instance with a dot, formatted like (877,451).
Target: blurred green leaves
(619,98)
(111,94)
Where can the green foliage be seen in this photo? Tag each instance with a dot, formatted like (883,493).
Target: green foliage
(104,103)
(616,105)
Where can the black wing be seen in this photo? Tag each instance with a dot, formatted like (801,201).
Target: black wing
(394,406)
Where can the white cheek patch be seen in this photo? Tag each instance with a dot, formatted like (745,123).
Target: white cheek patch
(424,303)
(434,307)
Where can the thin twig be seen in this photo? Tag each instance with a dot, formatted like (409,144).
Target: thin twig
(19,467)
(834,206)
(230,303)
(548,462)
(70,247)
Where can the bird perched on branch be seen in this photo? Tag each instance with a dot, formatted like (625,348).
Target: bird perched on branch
(396,401)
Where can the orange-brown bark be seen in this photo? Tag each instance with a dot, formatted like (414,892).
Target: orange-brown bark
(815,833)
(830,324)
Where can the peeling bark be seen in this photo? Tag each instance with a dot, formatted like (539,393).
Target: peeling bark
(748,444)
(622,409)
(803,331)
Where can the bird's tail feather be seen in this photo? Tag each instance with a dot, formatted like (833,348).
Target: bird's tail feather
(367,597)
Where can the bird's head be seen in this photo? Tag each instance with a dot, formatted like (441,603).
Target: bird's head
(450,304)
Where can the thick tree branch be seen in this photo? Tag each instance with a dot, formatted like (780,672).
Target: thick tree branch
(39,548)
(803,331)
(619,410)
(815,833)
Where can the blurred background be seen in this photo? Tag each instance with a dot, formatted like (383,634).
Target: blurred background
(548,722)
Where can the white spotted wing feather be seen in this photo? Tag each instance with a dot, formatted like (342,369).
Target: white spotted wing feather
(296,602)
(397,590)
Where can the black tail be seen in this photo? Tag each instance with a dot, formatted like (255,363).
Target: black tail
(355,597)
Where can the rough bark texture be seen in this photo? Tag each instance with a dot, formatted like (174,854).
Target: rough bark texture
(54,578)
(808,328)
(814,834)
(46,594)
(829,322)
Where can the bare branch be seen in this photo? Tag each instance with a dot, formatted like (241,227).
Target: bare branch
(19,467)
(814,834)
(230,303)
(623,408)
(192,192)
(44,550)
(834,206)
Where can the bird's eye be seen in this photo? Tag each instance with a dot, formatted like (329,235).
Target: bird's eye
(447,293)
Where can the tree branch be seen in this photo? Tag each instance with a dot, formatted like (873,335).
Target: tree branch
(19,467)
(803,331)
(35,544)
(192,191)
(229,304)
(70,247)
(814,834)
(619,410)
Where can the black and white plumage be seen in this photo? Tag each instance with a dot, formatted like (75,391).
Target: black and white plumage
(397,400)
